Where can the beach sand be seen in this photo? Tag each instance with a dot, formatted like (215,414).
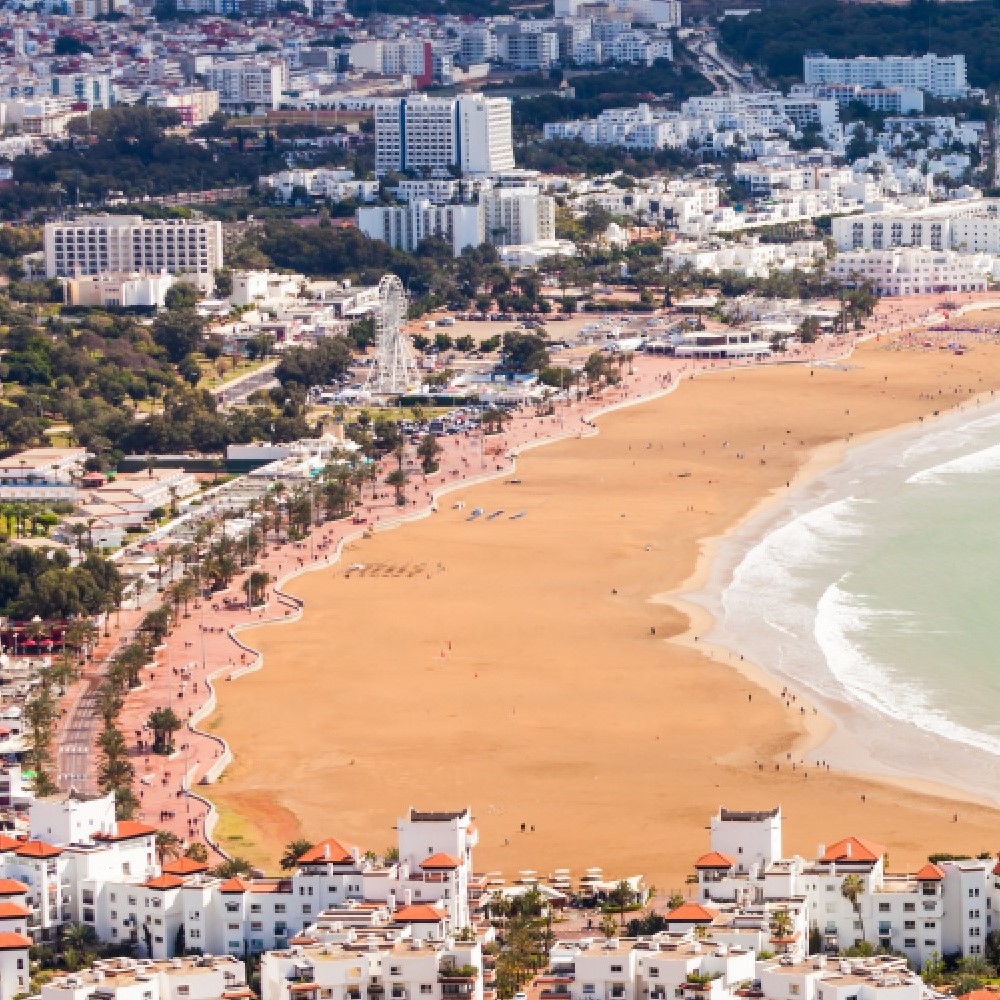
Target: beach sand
(492,664)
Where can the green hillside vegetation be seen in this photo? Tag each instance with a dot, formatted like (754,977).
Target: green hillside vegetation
(782,32)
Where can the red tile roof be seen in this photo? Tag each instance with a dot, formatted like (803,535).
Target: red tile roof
(714,860)
(164,882)
(691,913)
(8,843)
(184,866)
(11,911)
(418,913)
(11,887)
(930,873)
(853,849)
(440,861)
(327,851)
(234,884)
(37,849)
(10,941)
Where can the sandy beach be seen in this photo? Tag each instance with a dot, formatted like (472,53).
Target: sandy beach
(524,666)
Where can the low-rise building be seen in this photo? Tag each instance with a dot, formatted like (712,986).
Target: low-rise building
(915,270)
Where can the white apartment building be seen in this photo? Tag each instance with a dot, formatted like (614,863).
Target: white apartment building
(418,132)
(264,287)
(118,291)
(349,967)
(914,271)
(321,182)
(970,225)
(406,226)
(107,877)
(943,908)
(103,244)
(253,86)
(93,89)
(396,57)
(485,136)
(516,216)
(942,76)
(528,49)
(204,977)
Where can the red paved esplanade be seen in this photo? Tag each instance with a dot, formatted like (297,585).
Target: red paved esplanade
(201,644)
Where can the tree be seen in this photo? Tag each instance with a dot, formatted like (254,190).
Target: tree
(164,723)
(428,451)
(621,897)
(294,851)
(197,852)
(397,479)
(179,332)
(168,846)
(609,926)
(851,889)
(181,295)
(40,713)
(232,867)
(255,587)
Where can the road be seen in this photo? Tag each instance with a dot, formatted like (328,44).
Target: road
(77,742)
(714,66)
(236,391)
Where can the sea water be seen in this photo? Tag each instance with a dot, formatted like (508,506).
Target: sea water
(880,588)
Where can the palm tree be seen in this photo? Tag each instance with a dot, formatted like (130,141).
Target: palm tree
(397,479)
(164,723)
(168,845)
(77,937)
(851,889)
(255,587)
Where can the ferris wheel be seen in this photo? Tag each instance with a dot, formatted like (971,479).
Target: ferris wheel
(395,370)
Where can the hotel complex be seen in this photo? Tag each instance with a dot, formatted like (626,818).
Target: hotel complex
(408,917)
(129,244)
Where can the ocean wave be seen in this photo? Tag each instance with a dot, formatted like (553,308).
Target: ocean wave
(775,584)
(950,438)
(840,618)
(985,460)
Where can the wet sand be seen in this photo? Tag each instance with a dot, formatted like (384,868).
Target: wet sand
(511,664)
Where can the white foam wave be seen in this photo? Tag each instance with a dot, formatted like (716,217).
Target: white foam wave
(985,460)
(775,584)
(934,440)
(840,619)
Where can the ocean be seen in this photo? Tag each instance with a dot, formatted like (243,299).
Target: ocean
(875,592)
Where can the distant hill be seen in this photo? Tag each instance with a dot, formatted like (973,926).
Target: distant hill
(780,34)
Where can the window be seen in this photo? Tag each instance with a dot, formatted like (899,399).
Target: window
(616,968)
(183,991)
(883,907)
(653,972)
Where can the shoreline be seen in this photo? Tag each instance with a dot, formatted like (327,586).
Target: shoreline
(828,727)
